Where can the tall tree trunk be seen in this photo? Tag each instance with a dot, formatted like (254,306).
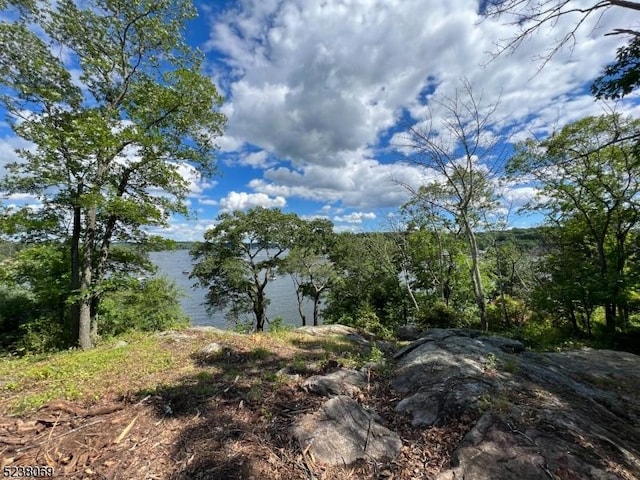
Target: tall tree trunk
(316,305)
(610,301)
(74,329)
(101,267)
(476,279)
(573,320)
(300,299)
(84,337)
(610,317)
(259,311)
(410,292)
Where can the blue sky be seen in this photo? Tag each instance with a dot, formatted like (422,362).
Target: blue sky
(319,93)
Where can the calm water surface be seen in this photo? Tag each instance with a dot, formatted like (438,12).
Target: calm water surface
(176,265)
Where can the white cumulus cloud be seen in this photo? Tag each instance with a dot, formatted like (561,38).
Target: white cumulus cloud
(243,200)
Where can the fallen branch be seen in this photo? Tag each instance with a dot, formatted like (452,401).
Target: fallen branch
(60,436)
(126,430)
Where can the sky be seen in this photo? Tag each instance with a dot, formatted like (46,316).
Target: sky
(319,95)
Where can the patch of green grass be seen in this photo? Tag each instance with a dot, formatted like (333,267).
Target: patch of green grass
(32,381)
(259,353)
(204,376)
(255,393)
(496,402)
(510,365)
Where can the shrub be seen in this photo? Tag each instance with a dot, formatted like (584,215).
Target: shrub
(29,325)
(148,305)
(516,313)
(365,319)
(439,315)
(277,325)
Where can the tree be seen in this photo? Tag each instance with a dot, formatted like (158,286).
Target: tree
(588,174)
(309,266)
(567,281)
(240,256)
(110,146)
(621,77)
(367,292)
(529,16)
(462,156)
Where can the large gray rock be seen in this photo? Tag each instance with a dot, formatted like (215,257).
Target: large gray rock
(342,431)
(211,350)
(567,415)
(336,329)
(340,382)
(408,332)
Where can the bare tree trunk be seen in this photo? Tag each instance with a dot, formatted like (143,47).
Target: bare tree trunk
(300,299)
(84,337)
(476,279)
(104,253)
(316,304)
(411,296)
(259,311)
(75,273)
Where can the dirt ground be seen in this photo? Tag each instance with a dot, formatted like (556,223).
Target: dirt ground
(211,424)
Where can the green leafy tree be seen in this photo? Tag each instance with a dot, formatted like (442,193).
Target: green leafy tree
(110,147)
(588,174)
(368,292)
(309,266)
(240,256)
(463,158)
(567,280)
(439,266)
(622,76)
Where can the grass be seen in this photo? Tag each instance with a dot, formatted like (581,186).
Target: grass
(149,362)
(80,375)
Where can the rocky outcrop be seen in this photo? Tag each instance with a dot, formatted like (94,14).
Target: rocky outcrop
(343,431)
(341,382)
(568,415)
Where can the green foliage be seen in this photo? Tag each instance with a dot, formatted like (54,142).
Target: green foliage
(368,321)
(242,253)
(148,305)
(439,315)
(621,77)
(277,325)
(368,281)
(588,173)
(506,313)
(439,263)
(108,154)
(40,335)
(33,299)
(307,262)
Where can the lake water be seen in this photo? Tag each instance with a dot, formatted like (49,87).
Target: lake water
(176,265)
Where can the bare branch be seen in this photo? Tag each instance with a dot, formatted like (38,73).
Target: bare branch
(531,15)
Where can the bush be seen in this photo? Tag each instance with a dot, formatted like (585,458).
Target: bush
(29,325)
(148,305)
(516,313)
(368,321)
(439,315)
(277,325)
(43,334)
